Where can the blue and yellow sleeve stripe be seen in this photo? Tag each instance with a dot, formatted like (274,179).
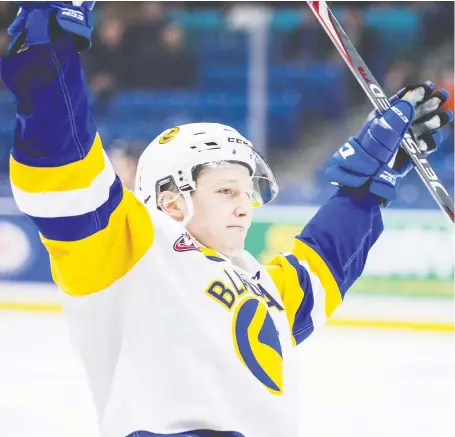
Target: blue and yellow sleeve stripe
(94,229)
(327,257)
(309,292)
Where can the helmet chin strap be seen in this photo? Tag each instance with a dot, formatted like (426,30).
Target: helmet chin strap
(189,207)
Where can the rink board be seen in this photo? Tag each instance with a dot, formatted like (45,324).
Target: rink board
(409,288)
(414,256)
(357,311)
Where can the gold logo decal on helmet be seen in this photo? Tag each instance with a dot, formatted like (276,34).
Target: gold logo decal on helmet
(168,136)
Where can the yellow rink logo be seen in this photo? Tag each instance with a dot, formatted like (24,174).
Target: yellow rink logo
(168,136)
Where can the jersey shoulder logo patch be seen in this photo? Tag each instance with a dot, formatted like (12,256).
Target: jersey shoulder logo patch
(185,243)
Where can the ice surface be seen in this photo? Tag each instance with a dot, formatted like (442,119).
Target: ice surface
(356,382)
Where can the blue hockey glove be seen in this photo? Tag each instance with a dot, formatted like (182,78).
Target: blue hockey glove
(38,22)
(364,158)
(371,160)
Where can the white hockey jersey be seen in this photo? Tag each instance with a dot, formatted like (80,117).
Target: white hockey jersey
(188,341)
(174,339)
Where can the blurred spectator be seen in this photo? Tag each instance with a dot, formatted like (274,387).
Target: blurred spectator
(7,12)
(147,22)
(401,73)
(308,41)
(124,156)
(365,40)
(108,67)
(437,23)
(142,41)
(4,40)
(165,62)
(177,64)
(134,46)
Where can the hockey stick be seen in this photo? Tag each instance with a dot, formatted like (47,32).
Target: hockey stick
(380,102)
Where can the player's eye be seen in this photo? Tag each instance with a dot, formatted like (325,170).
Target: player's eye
(225,191)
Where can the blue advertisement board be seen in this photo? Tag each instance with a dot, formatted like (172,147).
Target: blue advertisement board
(22,255)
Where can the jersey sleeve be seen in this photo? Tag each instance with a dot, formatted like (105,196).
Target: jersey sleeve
(327,257)
(94,230)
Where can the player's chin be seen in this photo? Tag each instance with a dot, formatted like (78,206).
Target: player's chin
(234,243)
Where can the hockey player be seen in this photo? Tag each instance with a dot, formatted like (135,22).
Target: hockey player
(180,330)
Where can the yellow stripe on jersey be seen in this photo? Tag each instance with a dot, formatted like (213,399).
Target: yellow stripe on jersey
(90,265)
(276,272)
(287,282)
(312,303)
(77,175)
(317,265)
(210,252)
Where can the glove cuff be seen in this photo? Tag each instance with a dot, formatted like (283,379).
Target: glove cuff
(385,184)
(35,25)
(78,22)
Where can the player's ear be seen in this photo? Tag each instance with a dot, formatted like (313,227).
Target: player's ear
(172,204)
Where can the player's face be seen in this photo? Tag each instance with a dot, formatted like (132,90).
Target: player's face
(222,208)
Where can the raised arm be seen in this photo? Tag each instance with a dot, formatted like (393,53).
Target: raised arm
(94,229)
(327,257)
(331,251)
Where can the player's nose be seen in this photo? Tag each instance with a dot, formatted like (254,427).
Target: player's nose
(243,207)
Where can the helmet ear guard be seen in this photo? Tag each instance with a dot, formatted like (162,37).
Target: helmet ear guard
(163,185)
(167,187)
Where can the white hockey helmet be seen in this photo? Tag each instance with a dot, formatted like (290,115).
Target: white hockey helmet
(173,156)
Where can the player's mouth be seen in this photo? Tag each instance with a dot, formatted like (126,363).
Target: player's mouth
(239,228)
